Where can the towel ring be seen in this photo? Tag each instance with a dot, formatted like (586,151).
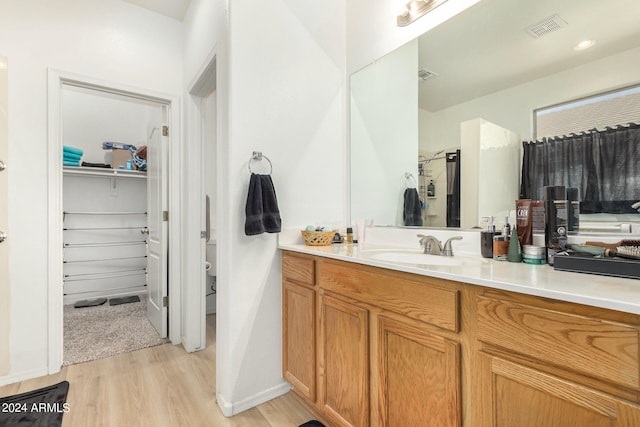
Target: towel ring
(258,156)
(409,176)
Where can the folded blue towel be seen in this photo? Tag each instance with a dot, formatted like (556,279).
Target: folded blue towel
(72,156)
(67,149)
(70,163)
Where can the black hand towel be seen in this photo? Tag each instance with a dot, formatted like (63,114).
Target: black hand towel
(412,214)
(262,207)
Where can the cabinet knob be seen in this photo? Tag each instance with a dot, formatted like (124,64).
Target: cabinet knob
(144,231)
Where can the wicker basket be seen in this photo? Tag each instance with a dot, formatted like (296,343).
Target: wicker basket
(317,238)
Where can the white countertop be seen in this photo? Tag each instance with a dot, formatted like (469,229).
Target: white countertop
(539,280)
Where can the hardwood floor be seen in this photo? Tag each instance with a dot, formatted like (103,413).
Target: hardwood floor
(157,386)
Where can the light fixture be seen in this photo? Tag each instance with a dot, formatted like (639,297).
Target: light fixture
(415,9)
(584,44)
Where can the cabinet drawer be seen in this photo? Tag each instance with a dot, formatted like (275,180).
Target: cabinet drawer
(298,269)
(593,347)
(428,303)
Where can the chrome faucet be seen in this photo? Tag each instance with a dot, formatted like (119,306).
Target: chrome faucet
(447,246)
(433,246)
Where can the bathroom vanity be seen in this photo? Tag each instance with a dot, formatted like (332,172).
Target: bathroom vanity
(378,343)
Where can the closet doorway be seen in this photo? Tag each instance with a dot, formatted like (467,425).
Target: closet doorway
(114,222)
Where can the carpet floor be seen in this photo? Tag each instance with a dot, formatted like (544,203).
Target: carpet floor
(92,333)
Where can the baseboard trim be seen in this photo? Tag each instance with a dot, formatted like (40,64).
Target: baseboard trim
(23,376)
(230,409)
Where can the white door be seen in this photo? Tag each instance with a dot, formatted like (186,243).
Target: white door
(157,225)
(4,223)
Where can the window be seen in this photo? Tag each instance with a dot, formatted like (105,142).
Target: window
(609,109)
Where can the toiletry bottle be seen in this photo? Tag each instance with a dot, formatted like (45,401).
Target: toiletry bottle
(555,212)
(573,210)
(514,254)
(486,239)
(501,242)
(500,247)
(506,228)
(349,235)
(431,189)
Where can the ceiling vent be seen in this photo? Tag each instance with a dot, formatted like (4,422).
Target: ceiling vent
(425,74)
(546,26)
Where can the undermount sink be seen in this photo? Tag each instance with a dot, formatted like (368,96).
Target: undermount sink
(410,256)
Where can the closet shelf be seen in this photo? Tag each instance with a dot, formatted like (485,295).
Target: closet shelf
(122,173)
(101,228)
(104,275)
(105,259)
(103,213)
(99,245)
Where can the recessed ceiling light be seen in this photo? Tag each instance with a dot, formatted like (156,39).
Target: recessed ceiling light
(585,44)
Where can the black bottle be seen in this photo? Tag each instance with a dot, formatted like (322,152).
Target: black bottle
(486,239)
(555,215)
(573,210)
(431,189)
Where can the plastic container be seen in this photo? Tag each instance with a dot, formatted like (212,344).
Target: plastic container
(534,254)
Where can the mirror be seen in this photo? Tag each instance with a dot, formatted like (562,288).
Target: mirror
(485,70)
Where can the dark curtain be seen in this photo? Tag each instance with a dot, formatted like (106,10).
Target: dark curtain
(453,189)
(603,165)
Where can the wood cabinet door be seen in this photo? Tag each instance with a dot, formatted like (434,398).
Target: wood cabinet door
(299,338)
(344,366)
(418,377)
(513,395)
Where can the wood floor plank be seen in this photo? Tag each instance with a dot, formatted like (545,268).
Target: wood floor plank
(157,386)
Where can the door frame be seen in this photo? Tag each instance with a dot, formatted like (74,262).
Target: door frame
(56,78)
(206,79)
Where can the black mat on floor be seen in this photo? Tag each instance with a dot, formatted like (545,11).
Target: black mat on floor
(124,300)
(312,423)
(90,302)
(38,408)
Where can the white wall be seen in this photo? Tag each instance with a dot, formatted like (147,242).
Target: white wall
(281,74)
(385,149)
(287,99)
(90,118)
(105,39)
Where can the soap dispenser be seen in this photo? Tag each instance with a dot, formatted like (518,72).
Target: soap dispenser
(501,242)
(486,239)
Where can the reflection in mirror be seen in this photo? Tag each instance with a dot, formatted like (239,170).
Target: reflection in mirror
(496,62)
